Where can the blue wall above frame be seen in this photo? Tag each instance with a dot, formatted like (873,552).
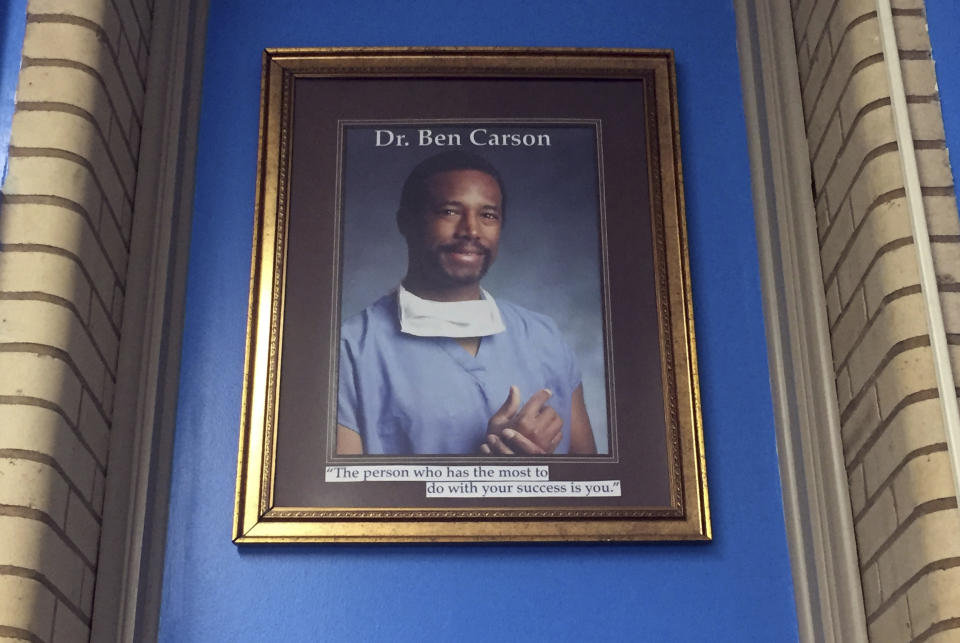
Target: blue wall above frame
(13,20)
(943,19)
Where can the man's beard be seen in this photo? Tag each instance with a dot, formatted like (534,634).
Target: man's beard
(445,266)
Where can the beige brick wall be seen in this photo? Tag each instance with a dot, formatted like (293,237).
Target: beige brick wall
(901,484)
(65,227)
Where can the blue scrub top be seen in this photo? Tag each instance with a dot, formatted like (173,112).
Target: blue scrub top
(427,395)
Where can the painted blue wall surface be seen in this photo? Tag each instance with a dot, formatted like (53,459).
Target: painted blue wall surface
(13,21)
(943,18)
(737,588)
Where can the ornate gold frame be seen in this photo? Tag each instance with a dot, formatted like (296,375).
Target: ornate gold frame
(258,519)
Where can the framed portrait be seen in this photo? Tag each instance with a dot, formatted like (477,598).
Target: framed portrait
(470,308)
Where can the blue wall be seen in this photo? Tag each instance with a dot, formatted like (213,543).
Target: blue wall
(943,18)
(737,588)
(13,20)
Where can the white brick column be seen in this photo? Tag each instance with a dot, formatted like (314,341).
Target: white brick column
(65,234)
(901,486)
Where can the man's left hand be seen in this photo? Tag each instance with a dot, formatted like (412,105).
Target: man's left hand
(536,429)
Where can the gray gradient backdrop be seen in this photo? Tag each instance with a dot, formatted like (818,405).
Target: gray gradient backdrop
(549,259)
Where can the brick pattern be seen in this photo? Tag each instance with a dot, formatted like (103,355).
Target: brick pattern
(65,225)
(901,486)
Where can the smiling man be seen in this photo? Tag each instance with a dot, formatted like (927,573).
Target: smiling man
(438,366)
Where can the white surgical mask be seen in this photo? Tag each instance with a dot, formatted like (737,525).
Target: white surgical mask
(426,318)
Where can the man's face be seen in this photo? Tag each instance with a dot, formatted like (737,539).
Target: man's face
(460,230)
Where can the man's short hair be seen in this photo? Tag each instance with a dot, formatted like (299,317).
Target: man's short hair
(414,194)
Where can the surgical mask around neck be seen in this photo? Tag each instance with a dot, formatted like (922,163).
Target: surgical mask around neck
(426,318)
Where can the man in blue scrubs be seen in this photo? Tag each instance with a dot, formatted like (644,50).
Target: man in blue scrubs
(438,366)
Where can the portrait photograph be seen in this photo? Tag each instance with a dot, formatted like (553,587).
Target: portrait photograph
(535,255)
(470,309)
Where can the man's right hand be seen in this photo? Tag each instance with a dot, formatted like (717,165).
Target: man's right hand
(535,429)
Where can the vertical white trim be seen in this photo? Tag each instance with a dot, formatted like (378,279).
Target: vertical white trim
(816,496)
(130,569)
(921,240)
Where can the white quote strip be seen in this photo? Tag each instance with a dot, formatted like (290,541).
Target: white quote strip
(394,472)
(486,481)
(510,489)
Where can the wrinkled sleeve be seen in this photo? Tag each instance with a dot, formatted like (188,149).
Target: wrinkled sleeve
(564,360)
(570,364)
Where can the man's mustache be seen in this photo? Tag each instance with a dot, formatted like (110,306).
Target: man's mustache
(466,246)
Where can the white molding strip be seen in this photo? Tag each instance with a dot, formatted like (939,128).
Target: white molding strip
(130,569)
(816,495)
(921,240)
